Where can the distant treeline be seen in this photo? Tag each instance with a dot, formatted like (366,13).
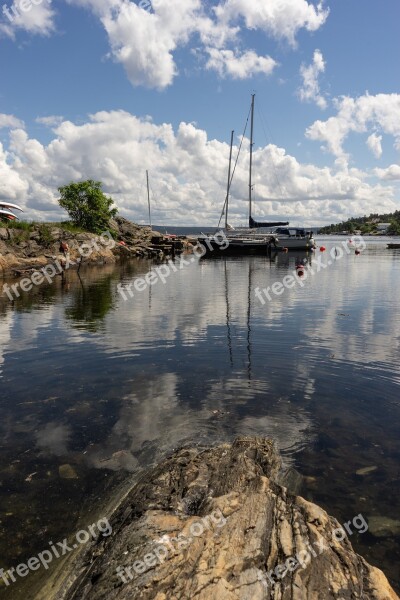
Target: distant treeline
(366,224)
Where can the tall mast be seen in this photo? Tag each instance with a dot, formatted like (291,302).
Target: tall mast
(251,154)
(148,195)
(229,183)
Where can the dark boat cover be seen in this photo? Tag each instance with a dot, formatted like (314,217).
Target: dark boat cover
(255,224)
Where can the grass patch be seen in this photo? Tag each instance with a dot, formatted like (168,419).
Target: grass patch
(42,227)
(23,225)
(68,226)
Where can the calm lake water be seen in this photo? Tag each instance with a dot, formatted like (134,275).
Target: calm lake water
(108,386)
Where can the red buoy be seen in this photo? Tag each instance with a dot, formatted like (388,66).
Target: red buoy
(322,248)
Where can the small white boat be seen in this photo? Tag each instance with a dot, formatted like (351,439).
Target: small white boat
(294,238)
(7,215)
(9,205)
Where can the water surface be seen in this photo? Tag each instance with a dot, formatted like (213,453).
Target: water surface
(108,386)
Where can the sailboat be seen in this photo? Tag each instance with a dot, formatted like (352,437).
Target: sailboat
(249,240)
(6,213)
(148,197)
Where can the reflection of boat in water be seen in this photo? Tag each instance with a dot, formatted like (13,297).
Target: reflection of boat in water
(6,213)
(258,237)
(290,260)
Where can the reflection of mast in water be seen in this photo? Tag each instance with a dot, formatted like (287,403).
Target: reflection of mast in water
(228,326)
(149,286)
(249,322)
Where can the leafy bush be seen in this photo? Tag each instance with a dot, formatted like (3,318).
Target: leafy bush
(45,237)
(394,228)
(87,205)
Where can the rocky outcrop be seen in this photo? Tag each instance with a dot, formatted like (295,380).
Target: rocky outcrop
(22,251)
(215,524)
(25,251)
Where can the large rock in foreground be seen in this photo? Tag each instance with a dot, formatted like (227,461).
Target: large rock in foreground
(214,524)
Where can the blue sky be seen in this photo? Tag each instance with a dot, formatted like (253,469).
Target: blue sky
(161,87)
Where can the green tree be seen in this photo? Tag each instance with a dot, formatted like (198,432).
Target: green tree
(87,205)
(394,228)
(366,228)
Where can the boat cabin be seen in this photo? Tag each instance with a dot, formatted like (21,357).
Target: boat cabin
(291,231)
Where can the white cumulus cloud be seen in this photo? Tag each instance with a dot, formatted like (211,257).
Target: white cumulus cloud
(310,92)
(187,172)
(239,66)
(374,143)
(392,173)
(10,122)
(37,18)
(358,115)
(278,18)
(144,39)
(50,121)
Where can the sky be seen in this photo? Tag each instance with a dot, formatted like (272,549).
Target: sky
(107,89)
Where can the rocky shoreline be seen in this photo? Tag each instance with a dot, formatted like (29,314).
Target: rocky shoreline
(23,251)
(218,523)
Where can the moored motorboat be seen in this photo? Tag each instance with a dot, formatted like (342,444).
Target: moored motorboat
(294,238)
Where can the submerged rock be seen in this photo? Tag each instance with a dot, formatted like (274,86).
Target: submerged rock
(214,524)
(383,526)
(67,472)
(366,470)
